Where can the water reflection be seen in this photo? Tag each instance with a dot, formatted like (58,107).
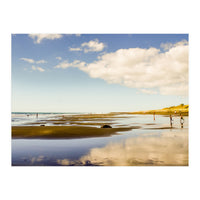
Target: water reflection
(171,149)
(148,146)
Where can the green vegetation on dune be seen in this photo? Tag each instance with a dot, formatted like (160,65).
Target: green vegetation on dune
(180,109)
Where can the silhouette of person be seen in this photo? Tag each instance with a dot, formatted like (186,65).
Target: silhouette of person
(171,120)
(181,120)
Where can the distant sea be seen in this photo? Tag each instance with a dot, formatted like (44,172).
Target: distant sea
(21,118)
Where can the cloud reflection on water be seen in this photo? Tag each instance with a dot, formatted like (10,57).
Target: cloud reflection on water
(170,149)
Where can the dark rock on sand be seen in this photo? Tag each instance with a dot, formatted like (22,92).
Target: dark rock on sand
(106,126)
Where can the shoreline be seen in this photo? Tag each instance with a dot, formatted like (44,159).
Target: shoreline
(133,143)
(76,126)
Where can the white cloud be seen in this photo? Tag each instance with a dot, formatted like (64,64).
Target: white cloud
(145,68)
(41,61)
(33,67)
(27,60)
(65,64)
(37,68)
(75,49)
(40,69)
(93,45)
(58,58)
(168,45)
(33,61)
(148,70)
(39,37)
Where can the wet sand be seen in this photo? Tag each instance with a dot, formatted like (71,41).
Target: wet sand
(75,126)
(59,132)
(134,143)
(85,119)
(71,126)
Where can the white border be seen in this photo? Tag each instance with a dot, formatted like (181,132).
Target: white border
(99,17)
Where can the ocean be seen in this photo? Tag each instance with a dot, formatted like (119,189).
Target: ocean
(24,118)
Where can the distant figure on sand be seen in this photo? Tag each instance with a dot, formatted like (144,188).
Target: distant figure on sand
(171,120)
(36,115)
(154,116)
(181,120)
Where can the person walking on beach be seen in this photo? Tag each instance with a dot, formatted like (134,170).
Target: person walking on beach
(154,116)
(36,115)
(181,120)
(171,120)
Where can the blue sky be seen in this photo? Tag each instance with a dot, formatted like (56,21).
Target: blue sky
(98,72)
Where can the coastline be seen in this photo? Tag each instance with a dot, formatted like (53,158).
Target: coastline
(79,140)
(79,126)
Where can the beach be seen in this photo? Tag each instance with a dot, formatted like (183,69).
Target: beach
(80,140)
(59,132)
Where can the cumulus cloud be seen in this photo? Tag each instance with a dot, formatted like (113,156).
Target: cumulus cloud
(33,61)
(39,37)
(91,46)
(149,70)
(168,45)
(65,64)
(35,68)
(29,60)
(41,61)
(75,49)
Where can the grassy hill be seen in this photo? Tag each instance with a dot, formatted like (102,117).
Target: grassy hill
(183,109)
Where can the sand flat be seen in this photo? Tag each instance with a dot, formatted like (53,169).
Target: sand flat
(59,132)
